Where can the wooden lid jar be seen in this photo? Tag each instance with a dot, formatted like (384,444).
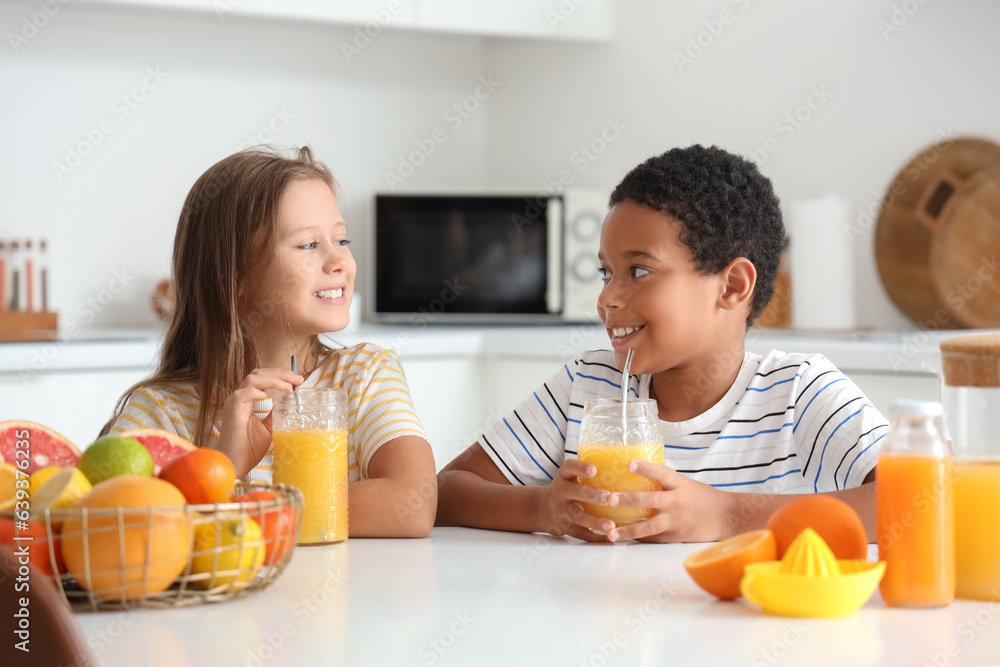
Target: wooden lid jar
(971,361)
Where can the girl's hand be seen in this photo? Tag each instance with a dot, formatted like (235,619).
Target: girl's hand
(689,511)
(243,437)
(560,511)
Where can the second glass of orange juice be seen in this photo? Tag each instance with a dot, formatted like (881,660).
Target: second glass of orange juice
(609,439)
(310,452)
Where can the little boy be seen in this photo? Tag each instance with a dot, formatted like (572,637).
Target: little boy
(689,253)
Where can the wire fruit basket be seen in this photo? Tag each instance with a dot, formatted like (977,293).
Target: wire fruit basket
(155,557)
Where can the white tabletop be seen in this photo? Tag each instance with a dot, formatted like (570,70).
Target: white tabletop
(471,597)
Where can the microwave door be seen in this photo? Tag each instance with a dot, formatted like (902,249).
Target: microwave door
(554,220)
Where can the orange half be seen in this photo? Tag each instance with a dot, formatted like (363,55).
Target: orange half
(719,568)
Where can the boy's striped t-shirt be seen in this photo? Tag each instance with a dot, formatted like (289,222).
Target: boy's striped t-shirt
(790,423)
(379,406)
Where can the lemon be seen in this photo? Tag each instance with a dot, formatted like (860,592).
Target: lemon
(8,486)
(41,476)
(114,455)
(62,488)
(230,546)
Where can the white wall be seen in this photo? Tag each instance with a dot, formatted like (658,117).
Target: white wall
(118,209)
(890,97)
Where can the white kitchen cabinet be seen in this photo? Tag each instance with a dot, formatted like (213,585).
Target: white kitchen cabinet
(75,403)
(447,394)
(586,20)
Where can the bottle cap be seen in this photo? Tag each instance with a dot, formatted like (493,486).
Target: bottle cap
(910,406)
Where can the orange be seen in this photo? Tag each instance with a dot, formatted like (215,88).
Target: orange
(277,522)
(39,555)
(141,556)
(835,521)
(203,476)
(719,568)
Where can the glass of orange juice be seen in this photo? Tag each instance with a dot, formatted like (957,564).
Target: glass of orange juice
(971,395)
(609,439)
(309,428)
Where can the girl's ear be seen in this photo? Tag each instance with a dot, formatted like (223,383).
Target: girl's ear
(738,280)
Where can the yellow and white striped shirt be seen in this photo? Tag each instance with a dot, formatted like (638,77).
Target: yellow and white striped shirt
(379,406)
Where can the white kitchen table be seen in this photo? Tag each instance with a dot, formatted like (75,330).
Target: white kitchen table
(473,597)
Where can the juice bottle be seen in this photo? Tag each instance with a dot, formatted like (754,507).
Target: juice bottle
(610,438)
(310,453)
(971,394)
(916,535)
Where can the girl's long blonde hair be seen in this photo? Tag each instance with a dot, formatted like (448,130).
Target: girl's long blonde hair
(223,245)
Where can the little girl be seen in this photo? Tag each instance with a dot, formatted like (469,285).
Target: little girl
(261,267)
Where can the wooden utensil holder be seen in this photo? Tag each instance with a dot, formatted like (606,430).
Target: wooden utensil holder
(24,326)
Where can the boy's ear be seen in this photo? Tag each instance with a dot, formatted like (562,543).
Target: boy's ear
(738,280)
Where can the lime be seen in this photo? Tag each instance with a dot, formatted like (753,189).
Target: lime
(115,455)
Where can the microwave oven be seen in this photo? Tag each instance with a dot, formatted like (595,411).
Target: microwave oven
(486,257)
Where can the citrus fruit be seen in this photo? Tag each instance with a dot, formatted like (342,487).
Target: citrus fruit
(58,492)
(203,476)
(719,568)
(163,446)
(276,520)
(8,486)
(44,446)
(114,455)
(140,557)
(38,546)
(229,549)
(835,521)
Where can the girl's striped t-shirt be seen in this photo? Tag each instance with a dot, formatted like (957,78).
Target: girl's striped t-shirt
(379,406)
(790,423)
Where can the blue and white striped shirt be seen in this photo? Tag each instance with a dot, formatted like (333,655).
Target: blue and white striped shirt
(790,423)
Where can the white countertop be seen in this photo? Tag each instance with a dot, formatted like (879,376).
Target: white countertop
(874,351)
(471,597)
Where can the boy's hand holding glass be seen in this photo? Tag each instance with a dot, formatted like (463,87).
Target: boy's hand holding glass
(560,511)
(242,436)
(686,510)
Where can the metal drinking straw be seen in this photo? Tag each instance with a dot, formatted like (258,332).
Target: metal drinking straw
(625,377)
(295,387)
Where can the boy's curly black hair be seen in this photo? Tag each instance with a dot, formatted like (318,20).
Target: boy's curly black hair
(726,207)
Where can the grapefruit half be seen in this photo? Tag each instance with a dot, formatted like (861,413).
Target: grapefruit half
(44,446)
(164,446)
